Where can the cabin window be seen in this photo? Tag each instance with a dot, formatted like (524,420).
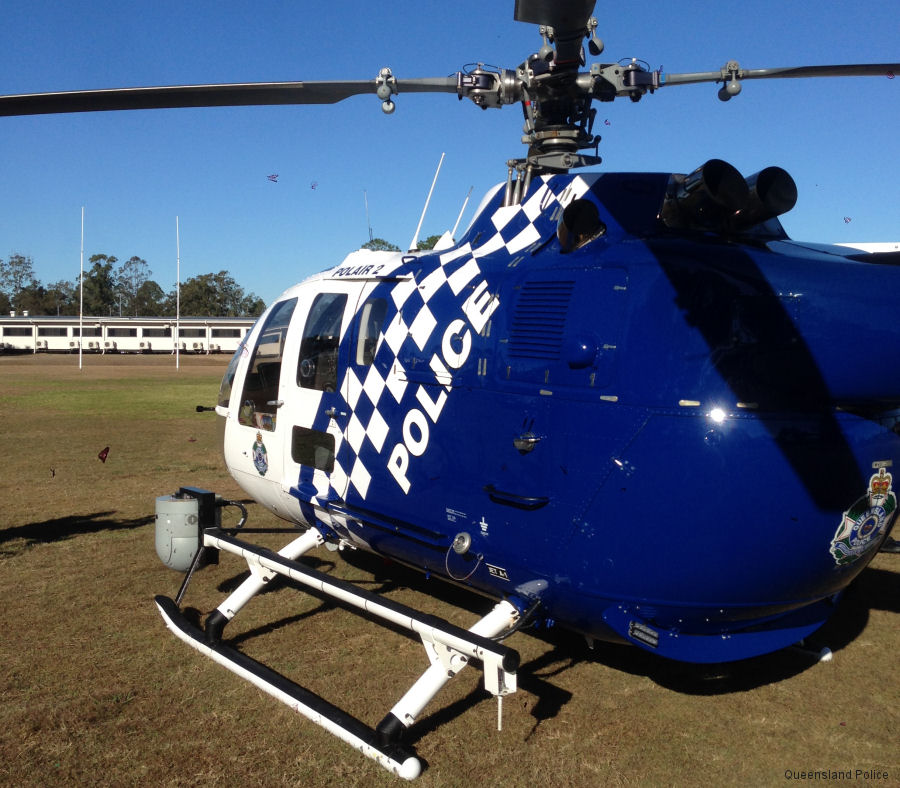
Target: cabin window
(319,347)
(313,448)
(371,319)
(53,331)
(259,400)
(159,333)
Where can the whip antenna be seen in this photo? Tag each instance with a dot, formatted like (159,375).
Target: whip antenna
(414,243)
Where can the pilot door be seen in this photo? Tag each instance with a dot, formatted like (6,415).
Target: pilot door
(258,433)
(314,413)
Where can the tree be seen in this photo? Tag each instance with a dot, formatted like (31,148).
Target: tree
(27,294)
(32,299)
(215,295)
(380,245)
(61,299)
(429,242)
(202,297)
(150,300)
(99,286)
(16,274)
(253,306)
(129,277)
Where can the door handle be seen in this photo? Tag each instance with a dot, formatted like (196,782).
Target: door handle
(527,502)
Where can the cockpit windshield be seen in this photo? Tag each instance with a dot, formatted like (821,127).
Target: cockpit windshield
(228,380)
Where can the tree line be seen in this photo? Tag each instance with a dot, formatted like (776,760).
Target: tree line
(121,289)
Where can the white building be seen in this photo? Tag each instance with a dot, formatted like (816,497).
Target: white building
(23,333)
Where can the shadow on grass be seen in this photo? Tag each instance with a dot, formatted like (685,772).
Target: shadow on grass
(229,584)
(532,677)
(279,582)
(386,576)
(874,589)
(61,528)
(275,625)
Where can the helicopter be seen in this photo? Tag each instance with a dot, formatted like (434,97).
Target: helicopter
(628,403)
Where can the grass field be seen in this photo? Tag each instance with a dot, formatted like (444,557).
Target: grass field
(96,691)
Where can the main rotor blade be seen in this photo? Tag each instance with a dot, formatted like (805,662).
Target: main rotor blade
(228,95)
(795,72)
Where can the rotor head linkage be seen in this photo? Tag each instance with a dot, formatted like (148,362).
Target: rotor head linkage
(595,44)
(731,75)
(385,87)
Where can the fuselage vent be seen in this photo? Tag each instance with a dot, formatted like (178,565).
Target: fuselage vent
(539,320)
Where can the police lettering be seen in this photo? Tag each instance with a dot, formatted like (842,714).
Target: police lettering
(456,345)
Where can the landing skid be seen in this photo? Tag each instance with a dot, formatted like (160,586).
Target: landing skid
(449,648)
(394,758)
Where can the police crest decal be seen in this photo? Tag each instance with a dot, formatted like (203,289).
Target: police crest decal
(866,520)
(260,455)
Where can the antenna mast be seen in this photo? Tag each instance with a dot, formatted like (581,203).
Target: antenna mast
(461,212)
(414,243)
(368,222)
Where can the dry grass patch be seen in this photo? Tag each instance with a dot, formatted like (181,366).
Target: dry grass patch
(96,691)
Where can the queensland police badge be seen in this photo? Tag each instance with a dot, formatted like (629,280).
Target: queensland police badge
(260,455)
(866,520)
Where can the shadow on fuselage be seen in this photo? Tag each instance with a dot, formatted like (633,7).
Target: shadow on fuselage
(762,355)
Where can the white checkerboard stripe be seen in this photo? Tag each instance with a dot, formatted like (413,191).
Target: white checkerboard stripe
(515,229)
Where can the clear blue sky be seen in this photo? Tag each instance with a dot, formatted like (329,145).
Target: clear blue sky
(135,171)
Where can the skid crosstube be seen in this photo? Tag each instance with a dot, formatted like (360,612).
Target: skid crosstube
(430,628)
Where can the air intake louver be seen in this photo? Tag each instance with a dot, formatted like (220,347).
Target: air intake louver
(539,321)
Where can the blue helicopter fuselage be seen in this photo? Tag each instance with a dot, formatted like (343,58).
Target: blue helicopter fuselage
(677,439)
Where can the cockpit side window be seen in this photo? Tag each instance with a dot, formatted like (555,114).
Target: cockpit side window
(319,347)
(228,380)
(259,400)
(371,319)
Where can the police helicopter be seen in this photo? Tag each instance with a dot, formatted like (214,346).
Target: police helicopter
(588,408)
